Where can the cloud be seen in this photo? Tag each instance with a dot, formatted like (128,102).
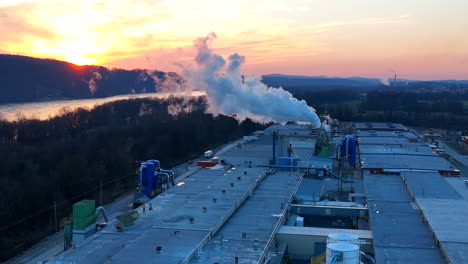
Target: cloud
(328,26)
(14,24)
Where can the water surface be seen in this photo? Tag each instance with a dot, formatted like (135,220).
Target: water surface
(44,110)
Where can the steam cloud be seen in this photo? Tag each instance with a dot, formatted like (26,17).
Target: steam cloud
(385,81)
(231,93)
(92,82)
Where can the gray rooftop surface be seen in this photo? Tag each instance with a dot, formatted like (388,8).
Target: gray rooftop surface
(429,185)
(257,217)
(171,212)
(447,218)
(177,246)
(308,188)
(382,140)
(445,210)
(251,150)
(379,126)
(401,255)
(406,149)
(405,162)
(396,134)
(396,224)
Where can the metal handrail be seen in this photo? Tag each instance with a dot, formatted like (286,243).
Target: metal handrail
(280,222)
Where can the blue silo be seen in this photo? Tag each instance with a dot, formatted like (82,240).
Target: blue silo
(148,178)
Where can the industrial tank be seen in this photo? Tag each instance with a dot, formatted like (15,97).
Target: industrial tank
(156,164)
(342,253)
(343,248)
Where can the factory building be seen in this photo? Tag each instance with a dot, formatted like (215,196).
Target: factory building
(285,196)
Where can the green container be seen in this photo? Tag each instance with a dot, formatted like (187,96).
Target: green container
(84,222)
(84,208)
(324,152)
(127,218)
(84,214)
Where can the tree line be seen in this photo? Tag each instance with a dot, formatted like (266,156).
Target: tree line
(446,110)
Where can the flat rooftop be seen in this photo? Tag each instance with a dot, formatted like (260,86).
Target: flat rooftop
(445,210)
(383,140)
(168,224)
(399,233)
(309,191)
(405,162)
(394,134)
(404,149)
(257,218)
(380,126)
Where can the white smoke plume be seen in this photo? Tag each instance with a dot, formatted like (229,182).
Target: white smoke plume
(327,121)
(231,93)
(178,108)
(92,82)
(385,81)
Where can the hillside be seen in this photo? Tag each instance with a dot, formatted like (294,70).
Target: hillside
(27,79)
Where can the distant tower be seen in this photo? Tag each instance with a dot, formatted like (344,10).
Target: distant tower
(395,79)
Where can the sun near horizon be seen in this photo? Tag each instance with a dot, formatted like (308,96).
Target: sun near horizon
(418,39)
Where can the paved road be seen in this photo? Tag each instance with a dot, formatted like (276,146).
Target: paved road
(461,158)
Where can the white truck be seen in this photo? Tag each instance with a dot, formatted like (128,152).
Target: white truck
(208,154)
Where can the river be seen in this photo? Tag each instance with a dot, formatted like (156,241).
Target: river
(44,110)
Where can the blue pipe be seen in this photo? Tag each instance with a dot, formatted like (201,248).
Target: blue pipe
(368,257)
(335,258)
(171,173)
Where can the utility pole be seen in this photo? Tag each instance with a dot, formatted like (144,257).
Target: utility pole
(55,216)
(100,192)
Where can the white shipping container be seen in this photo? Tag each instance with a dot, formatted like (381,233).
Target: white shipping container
(208,154)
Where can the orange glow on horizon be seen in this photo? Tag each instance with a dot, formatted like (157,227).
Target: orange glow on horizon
(337,38)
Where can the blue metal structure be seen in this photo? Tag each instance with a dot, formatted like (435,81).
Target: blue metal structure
(148,179)
(156,164)
(153,179)
(273,161)
(348,149)
(287,161)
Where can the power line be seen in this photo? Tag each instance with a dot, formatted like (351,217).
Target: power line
(26,218)
(61,203)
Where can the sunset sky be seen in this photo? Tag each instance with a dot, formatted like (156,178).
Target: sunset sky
(419,39)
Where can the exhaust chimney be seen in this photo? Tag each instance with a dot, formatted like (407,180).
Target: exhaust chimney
(273,162)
